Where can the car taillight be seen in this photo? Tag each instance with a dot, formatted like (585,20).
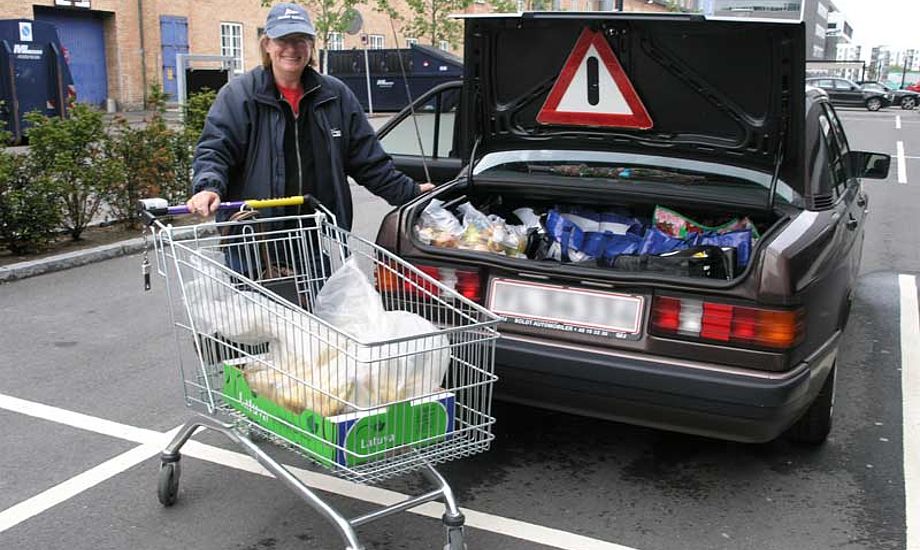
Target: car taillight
(466,282)
(718,322)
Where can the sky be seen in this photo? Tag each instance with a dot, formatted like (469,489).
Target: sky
(895,23)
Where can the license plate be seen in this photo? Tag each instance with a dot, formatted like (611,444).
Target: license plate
(575,310)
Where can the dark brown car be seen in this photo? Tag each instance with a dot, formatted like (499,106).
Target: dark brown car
(728,339)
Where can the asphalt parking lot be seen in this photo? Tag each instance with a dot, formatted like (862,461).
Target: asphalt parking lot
(90,392)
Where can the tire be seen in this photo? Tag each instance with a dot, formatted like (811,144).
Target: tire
(168,484)
(814,426)
(873,104)
(908,103)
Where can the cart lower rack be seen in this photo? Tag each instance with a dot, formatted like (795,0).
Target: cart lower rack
(317,340)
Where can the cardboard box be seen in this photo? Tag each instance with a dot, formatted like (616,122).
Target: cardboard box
(346,439)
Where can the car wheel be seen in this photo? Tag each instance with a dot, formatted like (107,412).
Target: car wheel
(812,428)
(873,104)
(908,103)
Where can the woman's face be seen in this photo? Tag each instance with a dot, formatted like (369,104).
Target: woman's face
(290,54)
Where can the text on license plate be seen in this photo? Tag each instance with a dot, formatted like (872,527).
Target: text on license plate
(548,305)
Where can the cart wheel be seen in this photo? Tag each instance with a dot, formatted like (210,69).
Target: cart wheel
(168,486)
(455,539)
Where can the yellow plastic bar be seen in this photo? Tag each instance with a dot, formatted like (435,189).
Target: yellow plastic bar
(255,204)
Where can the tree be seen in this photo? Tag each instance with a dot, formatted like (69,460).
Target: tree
(430,19)
(328,16)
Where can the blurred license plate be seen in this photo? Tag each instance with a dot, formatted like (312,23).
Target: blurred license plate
(575,310)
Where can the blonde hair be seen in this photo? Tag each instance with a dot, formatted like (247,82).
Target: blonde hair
(267,60)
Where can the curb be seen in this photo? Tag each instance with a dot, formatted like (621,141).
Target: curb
(23,270)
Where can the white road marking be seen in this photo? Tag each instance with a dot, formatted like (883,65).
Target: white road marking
(902,164)
(16,514)
(897,122)
(153,443)
(910,397)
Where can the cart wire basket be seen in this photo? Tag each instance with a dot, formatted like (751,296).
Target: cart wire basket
(365,390)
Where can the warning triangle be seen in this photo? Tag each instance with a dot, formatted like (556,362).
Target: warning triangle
(593,90)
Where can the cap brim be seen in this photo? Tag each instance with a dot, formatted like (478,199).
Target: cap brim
(290,28)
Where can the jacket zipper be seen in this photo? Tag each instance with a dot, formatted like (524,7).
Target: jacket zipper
(297,147)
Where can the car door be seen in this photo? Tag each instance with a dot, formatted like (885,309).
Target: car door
(422,138)
(847,93)
(852,205)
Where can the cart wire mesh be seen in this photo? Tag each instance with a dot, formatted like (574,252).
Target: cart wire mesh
(244,291)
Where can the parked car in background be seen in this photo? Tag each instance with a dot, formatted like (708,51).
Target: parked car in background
(915,87)
(905,99)
(846,93)
(735,342)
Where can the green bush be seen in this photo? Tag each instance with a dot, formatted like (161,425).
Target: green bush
(29,213)
(71,153)
(147,156)
(196,111)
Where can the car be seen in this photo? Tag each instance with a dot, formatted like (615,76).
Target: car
(846,93)
(915,87)
(693,340)
(905,99)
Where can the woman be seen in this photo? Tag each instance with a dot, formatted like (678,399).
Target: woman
(283,129)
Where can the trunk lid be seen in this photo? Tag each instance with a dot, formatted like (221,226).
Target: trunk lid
(719,91)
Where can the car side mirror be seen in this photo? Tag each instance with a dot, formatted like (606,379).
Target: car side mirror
(854,88)
(870,165)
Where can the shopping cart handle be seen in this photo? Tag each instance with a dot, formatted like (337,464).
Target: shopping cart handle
(154,208)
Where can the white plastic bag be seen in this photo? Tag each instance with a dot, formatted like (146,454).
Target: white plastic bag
(385,372)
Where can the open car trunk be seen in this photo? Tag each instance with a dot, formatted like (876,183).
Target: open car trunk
(608,236)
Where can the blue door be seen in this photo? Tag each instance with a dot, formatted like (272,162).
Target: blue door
(82,35)
(174,38)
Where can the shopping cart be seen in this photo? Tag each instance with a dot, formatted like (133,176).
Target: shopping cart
(268,369)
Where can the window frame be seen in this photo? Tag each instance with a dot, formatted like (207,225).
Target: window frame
(239,61)
(376,42)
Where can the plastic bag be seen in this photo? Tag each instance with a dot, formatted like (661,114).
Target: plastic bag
(437,226)
(490,233)
(583,235)
(382,372)
(679,226)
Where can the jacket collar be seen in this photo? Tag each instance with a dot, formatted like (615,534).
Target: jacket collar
(313,85)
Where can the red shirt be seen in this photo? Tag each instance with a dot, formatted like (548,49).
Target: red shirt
(292,96)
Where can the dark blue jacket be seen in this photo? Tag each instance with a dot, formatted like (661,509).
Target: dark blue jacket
(240,154)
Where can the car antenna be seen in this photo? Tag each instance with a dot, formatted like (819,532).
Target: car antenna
(402,69)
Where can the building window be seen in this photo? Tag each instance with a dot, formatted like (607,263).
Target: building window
(375,41)
(336,41)
(231,44)
(444,45)
(411,41)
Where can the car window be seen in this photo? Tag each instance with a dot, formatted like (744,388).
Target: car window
(435,123)
(842,85)
(835,159)
(827,83)
(839,135)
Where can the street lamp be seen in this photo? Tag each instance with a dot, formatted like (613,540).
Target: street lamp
(907,62)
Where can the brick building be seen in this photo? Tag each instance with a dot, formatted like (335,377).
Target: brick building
(118,48)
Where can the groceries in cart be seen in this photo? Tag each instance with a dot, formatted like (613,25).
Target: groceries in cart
(339,355)
(618,238)
(349,383)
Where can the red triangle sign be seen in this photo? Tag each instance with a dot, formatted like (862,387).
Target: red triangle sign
(593,90)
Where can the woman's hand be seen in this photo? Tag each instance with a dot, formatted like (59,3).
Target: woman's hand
(203,203)
(425,187)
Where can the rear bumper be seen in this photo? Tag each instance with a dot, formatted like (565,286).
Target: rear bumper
(694,398)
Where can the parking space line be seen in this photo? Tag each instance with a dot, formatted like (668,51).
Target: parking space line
(902,164)
(910,397)
(16,514)
(897,122)
(153,442)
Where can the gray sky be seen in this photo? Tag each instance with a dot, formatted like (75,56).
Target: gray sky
(894,23)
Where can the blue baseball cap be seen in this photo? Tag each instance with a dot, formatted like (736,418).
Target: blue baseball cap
(288,18)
